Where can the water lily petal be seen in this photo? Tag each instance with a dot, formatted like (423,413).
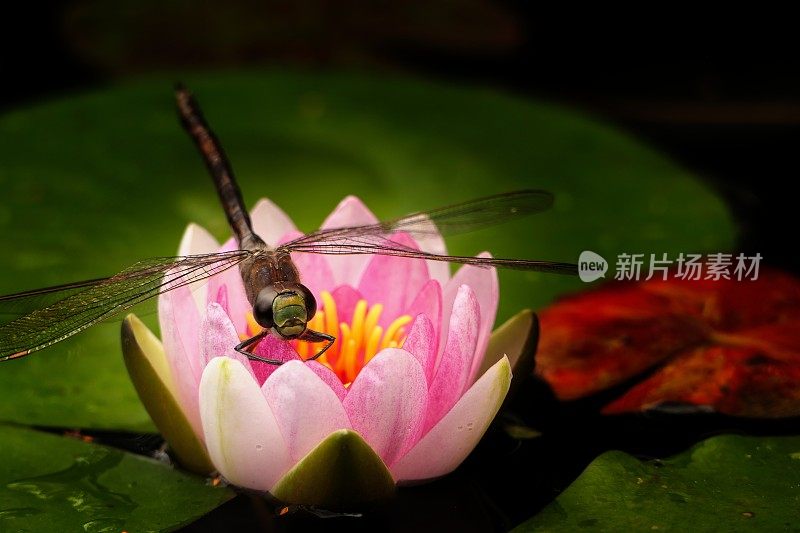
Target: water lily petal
(180,325)
(329,377)
(394,281)
(218,337)
(450,441)
(229,245)
(351,211)
(429,302)
(342,471)
(241,433)
(306,408)
(421,343)
(275,348)
(221,299)
(270,222)
(149,371)
(236,304)
(315,272)
(386,402)
(452,374)
(346,298)
(432,242)
(197,240)
(484,283)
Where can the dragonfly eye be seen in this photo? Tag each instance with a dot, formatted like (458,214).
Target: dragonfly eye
(310,301)
(262,310)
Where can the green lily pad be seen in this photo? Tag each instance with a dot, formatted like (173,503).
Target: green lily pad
(726,483)
(52,483)
(341,472)
(94,182)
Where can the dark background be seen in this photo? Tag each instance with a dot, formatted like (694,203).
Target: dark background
(722,99)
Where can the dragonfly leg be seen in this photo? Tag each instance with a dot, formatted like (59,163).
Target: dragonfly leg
(310,335)
(247,343)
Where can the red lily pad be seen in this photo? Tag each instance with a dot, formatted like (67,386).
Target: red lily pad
(728,346)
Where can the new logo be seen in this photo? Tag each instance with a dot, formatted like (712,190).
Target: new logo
(591,266)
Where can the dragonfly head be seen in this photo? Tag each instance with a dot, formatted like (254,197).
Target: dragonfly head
(287,310)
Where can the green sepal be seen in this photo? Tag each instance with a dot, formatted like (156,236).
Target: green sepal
(341,472)
(517,338)
(149,371)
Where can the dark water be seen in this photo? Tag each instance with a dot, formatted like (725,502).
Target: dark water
(505,481)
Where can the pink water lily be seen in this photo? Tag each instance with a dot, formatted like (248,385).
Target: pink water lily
(404,395)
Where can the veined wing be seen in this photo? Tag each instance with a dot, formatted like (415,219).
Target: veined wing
(75,307)
(455,219)
(13,306)
(376,244)
(451,220)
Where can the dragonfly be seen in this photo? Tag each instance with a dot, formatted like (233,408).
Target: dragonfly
(281,304)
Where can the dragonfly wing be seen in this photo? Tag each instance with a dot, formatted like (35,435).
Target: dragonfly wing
(475,214)
(373,244)
(75,307)
(455,219)
(13,306)
(451,220)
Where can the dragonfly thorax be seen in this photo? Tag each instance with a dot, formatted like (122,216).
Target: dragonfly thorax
(286,310)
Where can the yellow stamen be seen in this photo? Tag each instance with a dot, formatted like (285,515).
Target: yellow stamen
(351,368)
(331,319)
(400,336)
(302,350)
(393,330)
(345,340)
(372,344)
(358,320)
(372,320)
(317,324)
(253,327)
(356,342)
